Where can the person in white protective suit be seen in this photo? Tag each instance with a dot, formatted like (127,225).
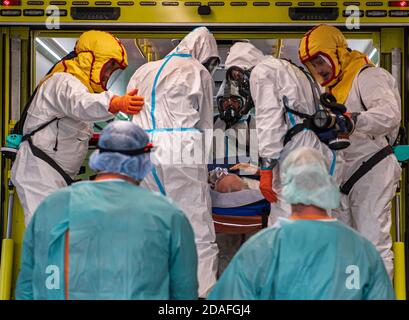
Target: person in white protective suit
(235,148)
(275,84)
(372,97)
(235,144)
(178,93)
(57,124)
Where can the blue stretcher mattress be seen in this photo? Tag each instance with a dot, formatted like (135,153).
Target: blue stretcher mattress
(253,209)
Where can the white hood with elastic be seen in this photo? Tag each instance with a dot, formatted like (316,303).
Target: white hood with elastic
(244,55)
(200,43)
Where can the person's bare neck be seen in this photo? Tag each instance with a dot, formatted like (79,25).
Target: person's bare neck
(301,211)
(112,175)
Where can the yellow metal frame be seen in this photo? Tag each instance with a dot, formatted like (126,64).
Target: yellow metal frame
(7,245)
(5,108)
(232,12)
(394,38)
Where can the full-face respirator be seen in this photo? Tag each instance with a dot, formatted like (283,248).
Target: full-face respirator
(235,100)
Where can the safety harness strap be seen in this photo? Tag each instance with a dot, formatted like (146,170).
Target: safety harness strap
(297,113)
(313,84)
(37,152)
(293,131)
(18,127)
(25,137)
(306,124)
(360,97)
(365,168)
(46,158)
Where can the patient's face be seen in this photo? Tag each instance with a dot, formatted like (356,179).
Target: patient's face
(230,183)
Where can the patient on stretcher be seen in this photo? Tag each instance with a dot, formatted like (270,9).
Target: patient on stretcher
(230,183)
(230,193)
(222,180)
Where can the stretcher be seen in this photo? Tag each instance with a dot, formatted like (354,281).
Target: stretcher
(240,212)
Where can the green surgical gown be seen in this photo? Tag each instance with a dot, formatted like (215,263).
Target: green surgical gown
(125,242)
(305,260)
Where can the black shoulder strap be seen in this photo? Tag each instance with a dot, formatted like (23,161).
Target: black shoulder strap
(293,131)
(307,122)
(18,127)
(360,97)
(313,84)
(46,158)
(25,137)
(297,113)
(365,168)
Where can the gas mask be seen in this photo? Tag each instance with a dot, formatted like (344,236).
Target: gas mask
(333,125)
(235,99)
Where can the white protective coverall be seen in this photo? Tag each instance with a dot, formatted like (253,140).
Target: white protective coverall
(74,93)
(368,206)
(270,80)
(178,109)
(65,140)
(373,93)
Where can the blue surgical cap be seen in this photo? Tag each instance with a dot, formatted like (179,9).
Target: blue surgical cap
(124,136)
(305,180)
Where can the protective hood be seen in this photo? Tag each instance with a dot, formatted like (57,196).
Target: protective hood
(97,53)
(330,43)
(200,43)
(243,55)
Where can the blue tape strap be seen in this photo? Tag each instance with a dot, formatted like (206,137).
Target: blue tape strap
(182,55)
(158,182)
(153,93)
(172,130)
(291,117)
(333,164)
(155,82)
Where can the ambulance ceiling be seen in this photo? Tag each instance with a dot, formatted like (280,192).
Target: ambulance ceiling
(138,49)
(50,50)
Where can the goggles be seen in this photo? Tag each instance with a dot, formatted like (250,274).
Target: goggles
(235,102)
